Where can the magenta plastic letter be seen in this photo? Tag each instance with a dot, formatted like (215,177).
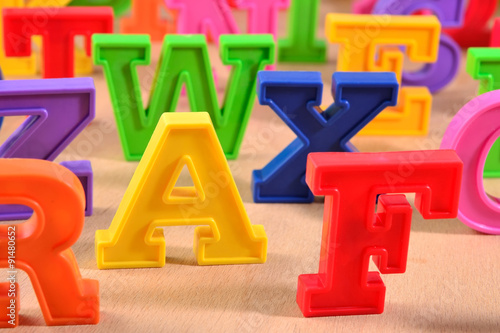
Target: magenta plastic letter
(208,17)
(471,133)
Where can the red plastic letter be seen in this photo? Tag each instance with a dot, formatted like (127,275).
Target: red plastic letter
(495,34)
(475,30)
(58,28)
(352,232)
(41,245)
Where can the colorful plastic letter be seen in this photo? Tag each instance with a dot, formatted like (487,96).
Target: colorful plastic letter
(27,66)
(135,238)
(145,19)
(262,14)
(83,62)
(57,34)
(475,31)
(14,66)
(295,96)
(58,110)
(363,6)
(184,60)
(120,7)
(353,232)
(301,45)
(360,35)
(483,64)
(209,17)
(450,13)
(43,243)
(495,34)
(472,132)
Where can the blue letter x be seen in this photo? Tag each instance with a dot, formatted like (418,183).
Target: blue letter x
(295,97)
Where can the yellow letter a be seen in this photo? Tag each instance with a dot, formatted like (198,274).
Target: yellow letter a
(151,201)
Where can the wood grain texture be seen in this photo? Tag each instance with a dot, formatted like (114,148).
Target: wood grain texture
(451,284)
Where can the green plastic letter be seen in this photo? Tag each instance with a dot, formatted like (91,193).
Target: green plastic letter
(301,45)
(483,64)
(184,60)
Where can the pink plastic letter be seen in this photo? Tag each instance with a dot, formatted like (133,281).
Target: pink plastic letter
(471,133)
(209,17)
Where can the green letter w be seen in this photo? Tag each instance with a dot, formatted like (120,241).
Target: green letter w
(184,60)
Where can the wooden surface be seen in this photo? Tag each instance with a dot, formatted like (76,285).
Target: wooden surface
(451,284)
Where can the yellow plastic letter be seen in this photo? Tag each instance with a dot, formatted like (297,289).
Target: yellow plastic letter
(362,37)
(135,238)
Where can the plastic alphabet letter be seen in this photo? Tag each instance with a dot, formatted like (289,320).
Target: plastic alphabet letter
(58,110)
(301,45)
(209,17)
(475,31)
(495,34)
(484,64)
(27,66)
(363,6)
(262,14)
(450,13)
(83,62)
(360,35)
(184,60)
(43,242)
(294,96)
(145,19)
(151,201)
(57,34)
(352,232)
(120,7)
(472,132)
(14,66)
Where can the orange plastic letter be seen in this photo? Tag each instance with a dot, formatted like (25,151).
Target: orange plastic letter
(362,36)
(41,245)
(146,19)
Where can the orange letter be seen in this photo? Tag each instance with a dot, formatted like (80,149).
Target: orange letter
(41,245)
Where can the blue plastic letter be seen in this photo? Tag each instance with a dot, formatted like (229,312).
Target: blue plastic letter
(295,97)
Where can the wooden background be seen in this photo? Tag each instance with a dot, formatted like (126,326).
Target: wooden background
(451,283)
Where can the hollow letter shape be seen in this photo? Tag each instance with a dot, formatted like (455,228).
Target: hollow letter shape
(58,34)
(450,13)
(58,110)
(475,31)
(151,201)
(43,243)
(146,19)
(360,36)
(352,232)
(471,133)
(483,64)
(10,65)
(295,96)
(209,17)
(302,45)
(184,60)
